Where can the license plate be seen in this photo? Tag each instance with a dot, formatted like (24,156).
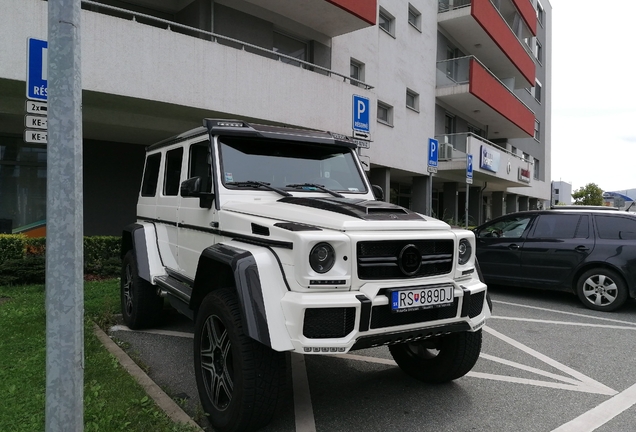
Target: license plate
(415,298)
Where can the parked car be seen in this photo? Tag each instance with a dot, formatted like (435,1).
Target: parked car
(586,250)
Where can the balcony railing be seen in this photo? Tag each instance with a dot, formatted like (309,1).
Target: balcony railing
(447,5)
(214,37)
(459,142)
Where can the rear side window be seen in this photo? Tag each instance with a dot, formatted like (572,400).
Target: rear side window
(616,227)
(173,172)
(151,175)
(561,226)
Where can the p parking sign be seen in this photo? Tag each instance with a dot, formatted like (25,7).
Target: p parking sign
(361,108)
(37,61)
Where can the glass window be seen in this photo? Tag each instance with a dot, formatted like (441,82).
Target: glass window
(22,185)
(173,172)
(386,22)
(509,227)
(356,71)
(538,51)
(537,91)
(540,13)
(200,165)
(536,169)
(290,46)
(537,129)
(385,113)
(151,175)
(616,227)
(414,17)
(556,226)
(412,100)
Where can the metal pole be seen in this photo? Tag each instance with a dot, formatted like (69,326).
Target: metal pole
(466,216)
(64,232)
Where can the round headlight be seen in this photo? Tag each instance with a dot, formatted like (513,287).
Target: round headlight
(464,251)
(322,257)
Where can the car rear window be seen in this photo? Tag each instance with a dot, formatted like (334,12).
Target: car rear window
(616,227)
(561,226)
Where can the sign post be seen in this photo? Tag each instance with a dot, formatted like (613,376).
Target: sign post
(469,181)
(64,406)
(433,157)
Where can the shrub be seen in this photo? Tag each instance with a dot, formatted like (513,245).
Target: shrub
(12,246)
(101,256)
(29,270)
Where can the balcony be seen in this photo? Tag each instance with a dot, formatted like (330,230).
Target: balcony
(472,90)
(495,36)
(490,162)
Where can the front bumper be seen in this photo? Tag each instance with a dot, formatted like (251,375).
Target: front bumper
(338,322)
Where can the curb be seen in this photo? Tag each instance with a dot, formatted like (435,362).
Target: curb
(163,401)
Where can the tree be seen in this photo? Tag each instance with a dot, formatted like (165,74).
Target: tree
(590,194)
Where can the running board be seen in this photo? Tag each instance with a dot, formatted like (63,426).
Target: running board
(175,287)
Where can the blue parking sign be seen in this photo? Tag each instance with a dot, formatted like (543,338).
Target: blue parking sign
(433,154)
(361,108)
(37,64)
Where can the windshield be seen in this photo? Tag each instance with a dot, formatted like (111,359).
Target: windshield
(288,165)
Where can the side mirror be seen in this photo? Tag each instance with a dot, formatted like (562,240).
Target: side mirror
(378,193)
(192,188)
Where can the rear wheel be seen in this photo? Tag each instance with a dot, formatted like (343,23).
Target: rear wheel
(239,380)
(602,289)
(141,307)
(439,359)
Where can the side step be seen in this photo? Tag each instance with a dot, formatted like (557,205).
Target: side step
(178,292)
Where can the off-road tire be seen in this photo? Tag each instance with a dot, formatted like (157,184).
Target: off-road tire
(239,379)
(141,307)
(602,289)
(441,359)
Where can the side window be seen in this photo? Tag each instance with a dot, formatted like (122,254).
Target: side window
(173,172)
(556,226)
(151,175)
(200,165)
(616,228)
(583,230)
(512,227)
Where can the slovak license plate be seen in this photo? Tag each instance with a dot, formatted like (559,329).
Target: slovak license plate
(404,300)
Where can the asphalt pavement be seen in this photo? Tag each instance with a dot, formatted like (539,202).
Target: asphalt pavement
(547,364)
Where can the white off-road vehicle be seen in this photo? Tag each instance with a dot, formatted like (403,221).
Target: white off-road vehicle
(272,240)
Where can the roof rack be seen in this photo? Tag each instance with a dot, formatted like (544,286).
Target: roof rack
(583,207)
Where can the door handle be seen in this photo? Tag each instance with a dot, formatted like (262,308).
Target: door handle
(581,248)
(513,246)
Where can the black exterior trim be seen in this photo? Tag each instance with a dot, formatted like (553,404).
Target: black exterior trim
(409,336)
(194,133)
(293,226)
(365,312)
(358,208)
(134,237)
(465,302)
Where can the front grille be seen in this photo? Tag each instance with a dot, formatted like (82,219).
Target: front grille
(381,316)
(328,323)
(476,304)
(381,259)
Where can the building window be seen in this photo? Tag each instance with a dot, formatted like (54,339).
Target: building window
(356,71)
(412,100)
(385,113)
(538,51)
(556,191)
(536,169)
(415,18)
(540,13)
(537,129)
(536,92)
(291,47)
(386,22)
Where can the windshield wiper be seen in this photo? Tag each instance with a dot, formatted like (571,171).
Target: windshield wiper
(317,186)
(258,184)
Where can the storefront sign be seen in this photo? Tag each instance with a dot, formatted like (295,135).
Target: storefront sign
(524,175)
(489,159)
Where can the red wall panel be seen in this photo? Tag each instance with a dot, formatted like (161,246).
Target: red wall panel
(528,14)
(489,90)
(363,9)
(489,19)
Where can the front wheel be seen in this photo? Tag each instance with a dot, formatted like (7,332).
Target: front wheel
(601,289)
(239,379)
(440,359)
(141,307)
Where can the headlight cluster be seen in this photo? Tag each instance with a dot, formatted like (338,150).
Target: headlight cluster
(465,251)
(322,257)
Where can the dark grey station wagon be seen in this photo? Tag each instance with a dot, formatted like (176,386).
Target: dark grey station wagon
(590,251)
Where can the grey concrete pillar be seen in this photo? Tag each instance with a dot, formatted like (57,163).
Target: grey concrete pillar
(523,203)
(474,206)
(497,207)
(511,203)
(382,178)
(533,203)
(450,202)
(419,194)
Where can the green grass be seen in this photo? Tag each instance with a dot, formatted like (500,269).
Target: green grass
(113,401)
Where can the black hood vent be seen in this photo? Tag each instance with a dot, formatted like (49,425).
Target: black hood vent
(358,208)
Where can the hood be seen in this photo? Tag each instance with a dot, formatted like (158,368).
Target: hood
(343,214)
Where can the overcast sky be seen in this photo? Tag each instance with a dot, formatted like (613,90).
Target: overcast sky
(594,93)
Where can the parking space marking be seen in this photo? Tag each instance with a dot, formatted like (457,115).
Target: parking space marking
(151,331)
(303,408)
(606,326)
(603,413)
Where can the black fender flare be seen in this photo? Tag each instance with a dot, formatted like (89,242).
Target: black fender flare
(133,238)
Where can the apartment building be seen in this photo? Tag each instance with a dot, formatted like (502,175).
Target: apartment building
(473,74)
(561,193)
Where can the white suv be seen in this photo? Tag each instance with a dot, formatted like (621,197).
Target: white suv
(272,241)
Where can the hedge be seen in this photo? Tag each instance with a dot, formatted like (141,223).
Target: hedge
(22,259)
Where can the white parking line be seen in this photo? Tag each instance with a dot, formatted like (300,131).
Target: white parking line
(606,326)
(603,413)
(303,409)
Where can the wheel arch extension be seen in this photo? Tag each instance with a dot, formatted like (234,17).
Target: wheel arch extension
(136,237)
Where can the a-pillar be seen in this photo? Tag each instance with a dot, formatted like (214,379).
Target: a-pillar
(450,202)
(533,202)
(523,203)
(511,203)
(420,200)
(382,178)
(497,206)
